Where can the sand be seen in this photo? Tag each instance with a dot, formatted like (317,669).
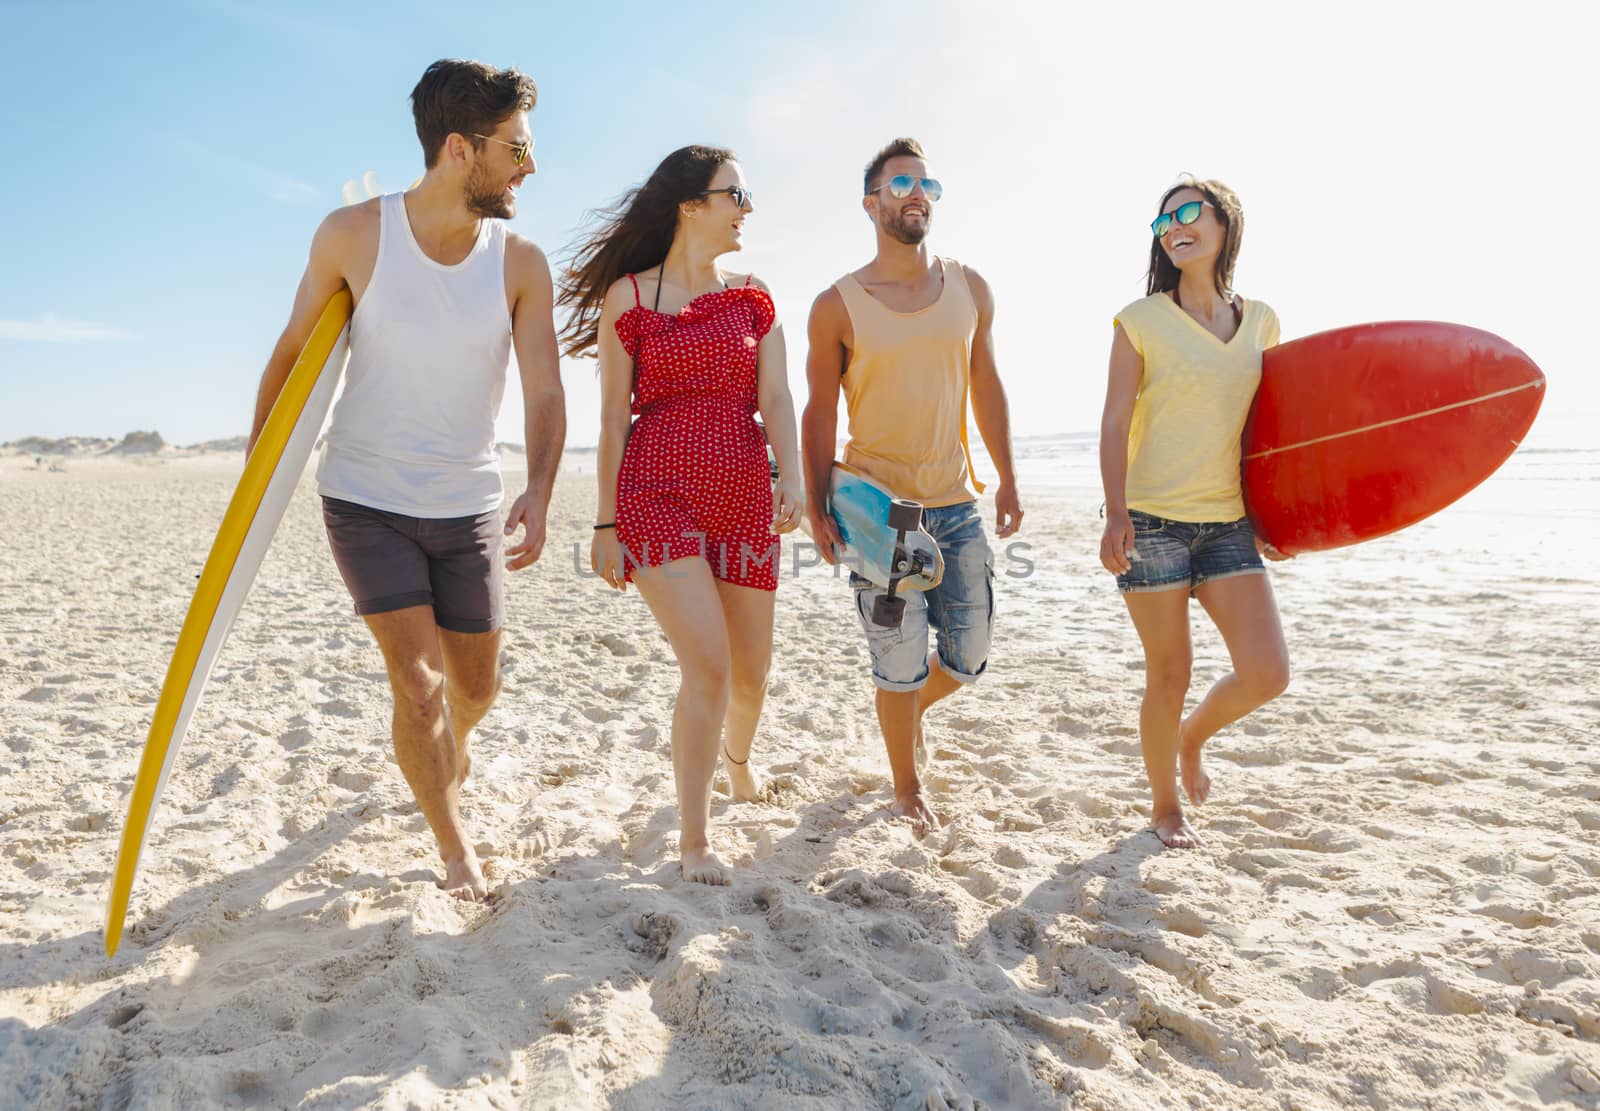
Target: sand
(1398,904)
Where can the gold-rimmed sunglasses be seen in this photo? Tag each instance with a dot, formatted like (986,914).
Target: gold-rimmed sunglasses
(519,151)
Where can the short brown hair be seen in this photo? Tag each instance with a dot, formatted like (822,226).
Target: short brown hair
(457,97)
(897,148)
(1163,273)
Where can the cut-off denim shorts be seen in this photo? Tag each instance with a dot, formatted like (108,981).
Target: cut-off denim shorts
(1172,554)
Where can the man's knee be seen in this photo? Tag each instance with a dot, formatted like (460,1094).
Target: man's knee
(476,691)
(418,689)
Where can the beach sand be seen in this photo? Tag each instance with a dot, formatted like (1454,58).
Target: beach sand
(1398,902)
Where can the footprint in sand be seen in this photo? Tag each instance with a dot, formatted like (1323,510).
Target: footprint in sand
(619,645)
(352,780)
(652,933)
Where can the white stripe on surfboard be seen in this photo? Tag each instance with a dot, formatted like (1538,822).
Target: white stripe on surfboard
(1396,420)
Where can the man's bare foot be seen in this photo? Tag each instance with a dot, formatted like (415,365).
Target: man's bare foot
(463,879)
(911,807)
(702,866)
(463,748)
(743,779)
(1196,783)
(1175,832)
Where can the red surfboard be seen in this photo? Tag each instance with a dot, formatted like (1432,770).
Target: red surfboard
(1361,431)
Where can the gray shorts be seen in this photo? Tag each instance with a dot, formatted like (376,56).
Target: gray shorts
(390,561)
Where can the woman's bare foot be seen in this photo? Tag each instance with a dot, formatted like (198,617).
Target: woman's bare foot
(463,879)
(1196,783)
(702,866)
(743,779)
(1175,832)
(911,807)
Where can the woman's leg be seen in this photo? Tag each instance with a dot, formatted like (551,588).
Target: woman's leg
(1162,619)
(680,594)
(1246,615)
(748,614)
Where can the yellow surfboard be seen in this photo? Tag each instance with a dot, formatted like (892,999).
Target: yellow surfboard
(270,476)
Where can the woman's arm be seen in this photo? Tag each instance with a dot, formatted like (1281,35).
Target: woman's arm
(616,418)
(777,416)
(1122,389)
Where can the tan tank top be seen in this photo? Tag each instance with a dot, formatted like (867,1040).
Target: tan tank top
(906,390)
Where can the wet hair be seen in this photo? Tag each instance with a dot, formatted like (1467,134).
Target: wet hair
(1163,274)
(456,97)
(634,234)
(896,148)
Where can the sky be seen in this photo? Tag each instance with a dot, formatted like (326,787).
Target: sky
(167,164)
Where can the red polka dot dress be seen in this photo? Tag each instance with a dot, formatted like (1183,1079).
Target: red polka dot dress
(694,479)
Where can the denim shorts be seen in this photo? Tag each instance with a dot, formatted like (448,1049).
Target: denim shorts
(960,610)
(1171,554)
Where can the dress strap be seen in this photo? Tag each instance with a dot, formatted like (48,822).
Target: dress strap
(636,302)
(747,278)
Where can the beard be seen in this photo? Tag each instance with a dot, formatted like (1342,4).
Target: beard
(911,235)
(486,198)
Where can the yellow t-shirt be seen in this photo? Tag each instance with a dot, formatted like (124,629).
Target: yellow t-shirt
(1194,396)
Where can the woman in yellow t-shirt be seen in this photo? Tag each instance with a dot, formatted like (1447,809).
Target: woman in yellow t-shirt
(1185,363)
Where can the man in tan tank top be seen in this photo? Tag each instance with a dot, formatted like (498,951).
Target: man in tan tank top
(906,339)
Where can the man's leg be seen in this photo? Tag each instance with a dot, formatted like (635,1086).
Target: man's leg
(466,577)
(423,745)
(900,671)
(471,682)
(960,608)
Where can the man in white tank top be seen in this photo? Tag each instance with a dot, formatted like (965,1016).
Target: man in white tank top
(907,339)
(409,476)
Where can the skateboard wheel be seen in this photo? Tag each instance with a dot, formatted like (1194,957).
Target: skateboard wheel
(888,612)
(905,515)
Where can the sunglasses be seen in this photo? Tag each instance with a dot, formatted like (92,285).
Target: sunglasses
(741,196)
(519,151)
(901,185)
(1186,213)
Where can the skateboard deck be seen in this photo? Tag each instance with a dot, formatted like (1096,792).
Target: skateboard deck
(861,508)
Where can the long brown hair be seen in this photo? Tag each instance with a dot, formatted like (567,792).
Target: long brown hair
(634,234)
(1163,275)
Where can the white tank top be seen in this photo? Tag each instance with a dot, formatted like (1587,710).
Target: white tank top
(413,432)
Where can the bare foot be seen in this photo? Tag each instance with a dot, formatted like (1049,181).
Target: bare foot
(1196,783)
(702,866)
(463,879)
(743,779)
(911,807)
(1175,832)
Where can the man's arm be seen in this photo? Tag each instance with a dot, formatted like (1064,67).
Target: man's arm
(325,275)
(544,403)
(826,356)
(990,409)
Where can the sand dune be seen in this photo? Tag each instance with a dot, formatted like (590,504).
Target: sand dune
(1398,904)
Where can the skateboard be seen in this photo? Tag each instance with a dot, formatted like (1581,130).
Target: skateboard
(884,541)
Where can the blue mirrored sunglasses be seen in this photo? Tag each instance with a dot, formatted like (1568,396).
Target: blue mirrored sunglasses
(1186,213)
(901,185)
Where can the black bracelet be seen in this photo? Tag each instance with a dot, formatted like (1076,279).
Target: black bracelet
(608,524)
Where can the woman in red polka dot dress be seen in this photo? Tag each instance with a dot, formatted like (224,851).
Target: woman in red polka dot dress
(688,510)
